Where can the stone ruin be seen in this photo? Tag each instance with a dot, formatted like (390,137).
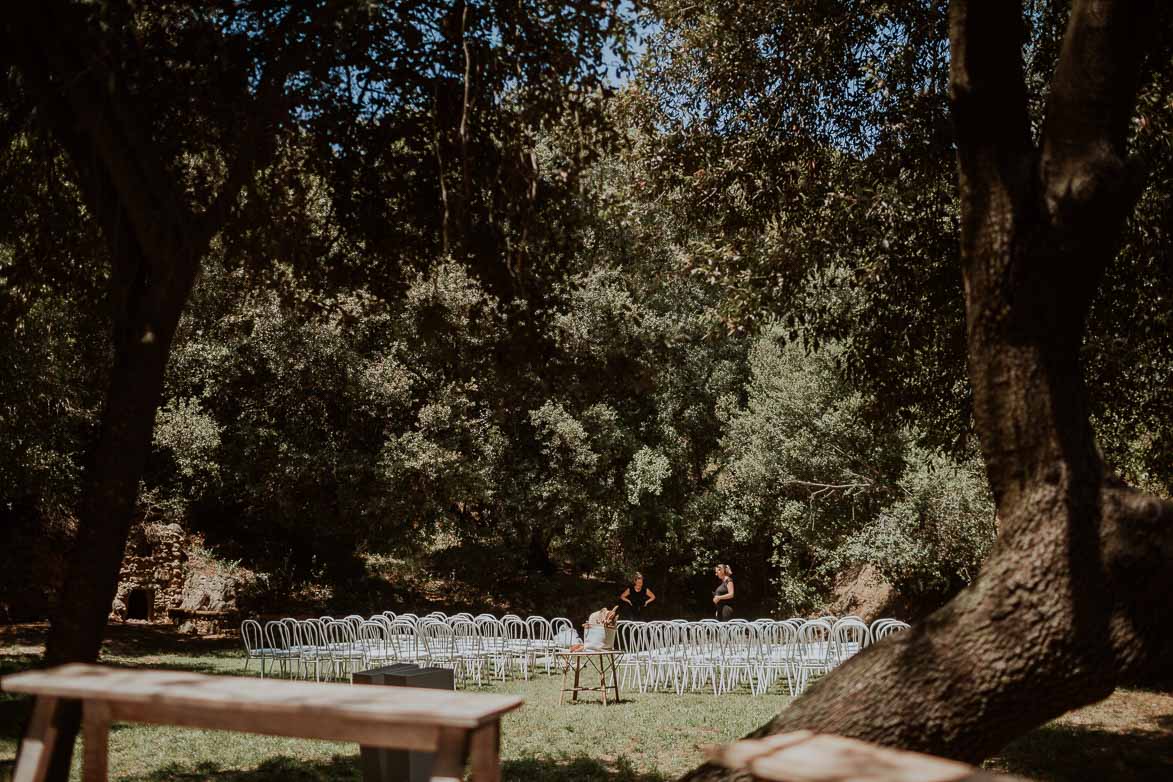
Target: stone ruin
(168,577)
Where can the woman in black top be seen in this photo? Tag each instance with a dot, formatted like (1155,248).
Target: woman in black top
(723,594)
(636,598)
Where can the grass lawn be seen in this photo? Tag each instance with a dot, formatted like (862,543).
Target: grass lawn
(647,738)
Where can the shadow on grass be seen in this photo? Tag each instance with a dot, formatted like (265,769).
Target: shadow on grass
(129,640)
(278,769)
(14,663)
(339,768)
(575,769)
(1060,753)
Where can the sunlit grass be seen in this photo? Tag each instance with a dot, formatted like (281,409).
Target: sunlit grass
(646,737)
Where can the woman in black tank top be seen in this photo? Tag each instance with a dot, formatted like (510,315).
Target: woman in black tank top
(723,594)
(635,598)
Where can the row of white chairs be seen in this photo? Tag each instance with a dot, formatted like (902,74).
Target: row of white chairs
(476,648)
(720,657)
(675,655)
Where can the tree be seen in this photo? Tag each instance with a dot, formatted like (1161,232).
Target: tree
(1073,600)
(810,143)
(168,111)
(807,471)
(100,96)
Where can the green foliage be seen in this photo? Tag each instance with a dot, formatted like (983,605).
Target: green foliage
(830,487)
(933,537)
(478,299)
(805,150)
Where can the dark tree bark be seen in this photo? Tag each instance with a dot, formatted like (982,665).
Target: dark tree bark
(1074,599)
(156,238)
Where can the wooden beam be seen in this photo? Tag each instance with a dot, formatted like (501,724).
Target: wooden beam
(32,761)
(96,721)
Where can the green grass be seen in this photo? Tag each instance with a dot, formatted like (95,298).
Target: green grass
(644,738)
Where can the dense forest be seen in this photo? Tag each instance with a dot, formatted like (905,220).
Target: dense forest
(609,290)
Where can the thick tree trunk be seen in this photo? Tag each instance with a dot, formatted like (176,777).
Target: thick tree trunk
(1073,600)
(116,464)
(156,240)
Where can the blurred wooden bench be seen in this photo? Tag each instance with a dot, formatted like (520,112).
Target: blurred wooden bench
(458,727)
(803,756)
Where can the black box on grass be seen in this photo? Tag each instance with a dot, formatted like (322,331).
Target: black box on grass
(396,765)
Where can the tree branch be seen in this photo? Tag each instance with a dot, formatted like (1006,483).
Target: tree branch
(1088,187)
(109,129)
(987,87)
(1093,97)
(255,147)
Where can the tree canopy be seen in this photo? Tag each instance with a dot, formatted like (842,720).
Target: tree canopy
(325,282)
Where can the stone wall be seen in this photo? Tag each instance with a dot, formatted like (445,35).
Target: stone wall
(155,564)
(168,575)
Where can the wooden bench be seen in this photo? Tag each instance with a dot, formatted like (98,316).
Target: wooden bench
(804,756)
(205,622)
(458,727)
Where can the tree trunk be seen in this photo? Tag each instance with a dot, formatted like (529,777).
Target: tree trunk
(115,467)
(1073,600)
(537,558)
(156,240)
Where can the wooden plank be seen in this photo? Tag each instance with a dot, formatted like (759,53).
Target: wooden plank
(96,734)
(485,753)
(803,755)
(260,698)
(37,745)
(295,724)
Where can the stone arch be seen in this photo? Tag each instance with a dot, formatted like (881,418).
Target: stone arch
(140,603)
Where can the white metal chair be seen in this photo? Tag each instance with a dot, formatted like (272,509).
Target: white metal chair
(541,634)
(439,643)
(812,651)
(344,652)
(252,636)
(278,647)
(469,651)
(311,649)
(848,636)
(517,643)
(887,627)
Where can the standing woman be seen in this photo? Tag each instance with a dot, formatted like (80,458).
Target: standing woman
(723,594)
(636,597)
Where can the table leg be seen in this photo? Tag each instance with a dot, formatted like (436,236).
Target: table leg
(615,679)
(451,751)
(565,670)
(577,671)
(96,731)
(601,664)
(37,745)
(485,753)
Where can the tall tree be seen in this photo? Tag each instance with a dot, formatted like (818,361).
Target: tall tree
(168,112)
(1073,601)
(100,94)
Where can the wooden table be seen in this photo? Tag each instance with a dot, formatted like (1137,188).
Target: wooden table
(602,662)
(458,727)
